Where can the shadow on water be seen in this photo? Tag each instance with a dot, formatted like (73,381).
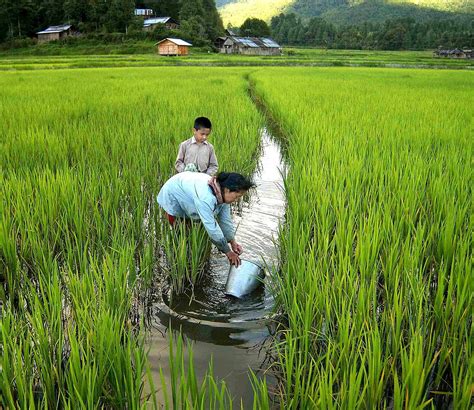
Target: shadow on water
(233,332)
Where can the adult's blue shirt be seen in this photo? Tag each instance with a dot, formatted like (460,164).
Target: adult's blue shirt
(188,195)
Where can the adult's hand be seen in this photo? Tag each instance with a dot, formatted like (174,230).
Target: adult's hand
(233,258)
(236,247)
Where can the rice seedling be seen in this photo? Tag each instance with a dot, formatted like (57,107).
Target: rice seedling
(187,248)
(187,392)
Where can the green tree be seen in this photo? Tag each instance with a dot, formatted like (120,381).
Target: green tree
(213,22)
(77,11)
(193,30)
(253,27)
(191,8)
(200,21)
(120,15)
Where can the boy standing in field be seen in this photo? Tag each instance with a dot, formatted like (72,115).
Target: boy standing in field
(197,154)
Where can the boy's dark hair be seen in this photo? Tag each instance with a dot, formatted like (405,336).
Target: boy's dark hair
(202,122)
(234,182)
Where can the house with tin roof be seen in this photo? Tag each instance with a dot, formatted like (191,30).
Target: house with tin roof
(54,33)
(248,45)
(456,53)
(168,22)
(144,13)
(173,47)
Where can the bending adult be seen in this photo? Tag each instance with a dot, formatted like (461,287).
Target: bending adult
(197,196)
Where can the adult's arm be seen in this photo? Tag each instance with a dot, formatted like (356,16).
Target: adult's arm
(225,222)
(211,226)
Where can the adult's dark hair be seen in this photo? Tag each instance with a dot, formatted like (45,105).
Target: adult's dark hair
(202,122)
(234,182)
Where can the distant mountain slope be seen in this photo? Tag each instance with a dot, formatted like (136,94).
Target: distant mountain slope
(376,12)
(236,11)
(342,11)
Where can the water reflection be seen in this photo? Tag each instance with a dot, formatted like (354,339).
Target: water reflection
(232,330)
(257,228)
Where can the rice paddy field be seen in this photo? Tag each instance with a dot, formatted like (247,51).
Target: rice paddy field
(54,56)
(374,289)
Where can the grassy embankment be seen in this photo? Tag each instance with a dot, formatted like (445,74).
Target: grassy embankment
(376,255)
(84,153)
(142,54)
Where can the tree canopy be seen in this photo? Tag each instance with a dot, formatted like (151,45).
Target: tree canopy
(253,27)
(199,19)
(392,34)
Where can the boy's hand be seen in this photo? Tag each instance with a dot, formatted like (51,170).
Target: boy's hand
(233,258)
(236,247)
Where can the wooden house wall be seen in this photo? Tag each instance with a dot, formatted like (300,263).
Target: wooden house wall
(43,38)
(170,48)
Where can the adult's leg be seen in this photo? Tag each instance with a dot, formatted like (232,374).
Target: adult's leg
(171,218)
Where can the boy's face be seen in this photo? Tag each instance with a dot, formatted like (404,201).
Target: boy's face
(201,135)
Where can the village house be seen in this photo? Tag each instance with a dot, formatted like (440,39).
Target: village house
(169,23)
(145,13)
(54,33)
(173,47)
(248,45)
(456,53)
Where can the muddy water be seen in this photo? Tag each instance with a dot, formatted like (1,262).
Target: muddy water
(234,332)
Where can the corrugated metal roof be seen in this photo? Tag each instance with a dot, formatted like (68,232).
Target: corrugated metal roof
(156,20)
(269,42)
(247,41)
(177,41)
(55,29)
(254,42)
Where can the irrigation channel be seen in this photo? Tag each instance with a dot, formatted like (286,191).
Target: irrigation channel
(233,332)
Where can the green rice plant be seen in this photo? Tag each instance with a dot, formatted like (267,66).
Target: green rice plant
(79,241)
(187,248)
(374,252)
(187,392)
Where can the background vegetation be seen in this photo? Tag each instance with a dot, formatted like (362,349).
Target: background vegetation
(392,34)
(234,12)
(199,19)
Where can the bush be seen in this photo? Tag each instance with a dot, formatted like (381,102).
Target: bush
(18,43)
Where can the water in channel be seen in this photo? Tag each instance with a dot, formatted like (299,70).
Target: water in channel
(232,331)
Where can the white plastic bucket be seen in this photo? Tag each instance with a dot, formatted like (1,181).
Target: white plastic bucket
(244,279)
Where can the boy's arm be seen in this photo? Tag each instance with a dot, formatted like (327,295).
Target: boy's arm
(213,165)
(179,164)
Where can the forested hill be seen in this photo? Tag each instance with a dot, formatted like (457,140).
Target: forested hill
(344,11)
